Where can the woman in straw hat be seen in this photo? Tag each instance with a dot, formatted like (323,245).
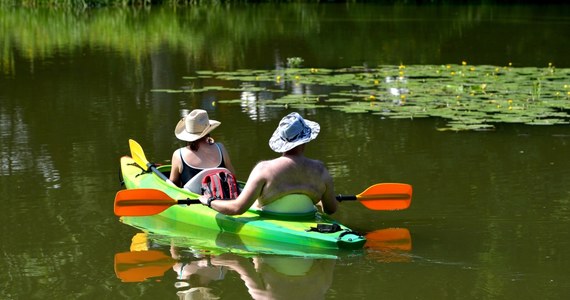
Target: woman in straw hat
(200,152)
(289,184)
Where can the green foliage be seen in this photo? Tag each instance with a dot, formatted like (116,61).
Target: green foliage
(294,62)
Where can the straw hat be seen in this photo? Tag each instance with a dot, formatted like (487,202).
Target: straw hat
(195,126)
(293,131)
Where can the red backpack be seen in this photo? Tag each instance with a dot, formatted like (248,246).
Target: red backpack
(220,184)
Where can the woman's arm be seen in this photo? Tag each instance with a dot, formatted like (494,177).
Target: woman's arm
(176,164)
(328,199)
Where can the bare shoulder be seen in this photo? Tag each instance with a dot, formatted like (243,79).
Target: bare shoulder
(262,166)
(314,163)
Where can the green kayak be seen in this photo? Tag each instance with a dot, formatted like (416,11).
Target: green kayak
(299,233)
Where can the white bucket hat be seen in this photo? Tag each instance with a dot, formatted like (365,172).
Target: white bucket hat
(195,126)
(293,131)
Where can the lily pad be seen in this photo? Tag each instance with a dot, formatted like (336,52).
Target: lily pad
(469,97)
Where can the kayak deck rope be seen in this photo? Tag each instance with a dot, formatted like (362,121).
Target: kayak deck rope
(143,171)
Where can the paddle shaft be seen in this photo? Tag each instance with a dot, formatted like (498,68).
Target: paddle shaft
(158,202)
(341,198)
(157,172)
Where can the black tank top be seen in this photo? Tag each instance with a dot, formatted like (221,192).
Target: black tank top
(188,171)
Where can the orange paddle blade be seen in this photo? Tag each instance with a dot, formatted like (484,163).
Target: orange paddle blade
(141,265)
(387,196)
(141,202)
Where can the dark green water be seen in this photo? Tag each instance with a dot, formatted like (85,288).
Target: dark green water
(489,217)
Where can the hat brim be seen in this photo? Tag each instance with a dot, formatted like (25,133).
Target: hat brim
(279,145)
(182,134)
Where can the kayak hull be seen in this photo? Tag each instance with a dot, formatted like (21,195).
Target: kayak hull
(254,226)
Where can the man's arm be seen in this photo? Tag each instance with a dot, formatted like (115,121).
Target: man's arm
(328,199)
(246,198)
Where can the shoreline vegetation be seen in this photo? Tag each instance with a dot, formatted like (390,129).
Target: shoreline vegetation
(148,3)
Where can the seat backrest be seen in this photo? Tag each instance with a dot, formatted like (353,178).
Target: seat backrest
(195,183)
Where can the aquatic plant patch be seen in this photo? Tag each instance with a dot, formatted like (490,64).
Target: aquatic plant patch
(467,97)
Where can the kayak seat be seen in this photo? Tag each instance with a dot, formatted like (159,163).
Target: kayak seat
(299,204)
(195,183)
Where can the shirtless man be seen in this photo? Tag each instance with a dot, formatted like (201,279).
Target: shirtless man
(290,184)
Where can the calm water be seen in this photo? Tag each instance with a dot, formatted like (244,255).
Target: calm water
(490,215)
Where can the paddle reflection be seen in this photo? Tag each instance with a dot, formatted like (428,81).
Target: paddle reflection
(389,245)
(265,276)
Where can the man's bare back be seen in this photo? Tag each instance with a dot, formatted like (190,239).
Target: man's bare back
(292,173)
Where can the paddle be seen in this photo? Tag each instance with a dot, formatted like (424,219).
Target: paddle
(138,156)
(383,196)
(145,202)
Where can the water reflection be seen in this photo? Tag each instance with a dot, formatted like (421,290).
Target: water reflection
(265,276)
(238,36)
(389,245)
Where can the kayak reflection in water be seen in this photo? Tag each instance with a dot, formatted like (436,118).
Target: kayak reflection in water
(265,276)
(291,183)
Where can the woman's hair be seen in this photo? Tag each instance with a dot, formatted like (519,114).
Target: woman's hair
(196,144)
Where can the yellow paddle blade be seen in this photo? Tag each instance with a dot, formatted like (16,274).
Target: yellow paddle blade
(137,154)
(387,196)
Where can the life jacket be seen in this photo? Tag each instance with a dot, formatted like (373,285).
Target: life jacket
(220,184)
